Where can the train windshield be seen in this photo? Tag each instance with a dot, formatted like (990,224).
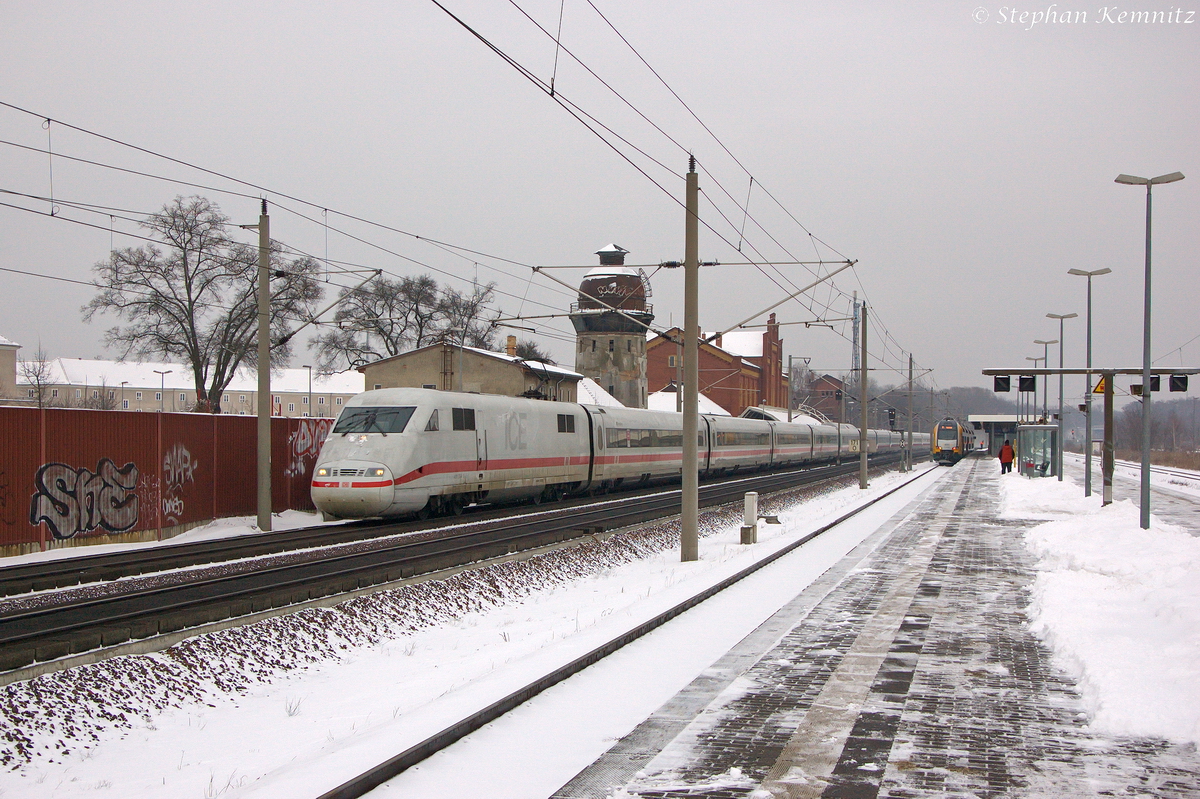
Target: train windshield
(373,420)
(947,431)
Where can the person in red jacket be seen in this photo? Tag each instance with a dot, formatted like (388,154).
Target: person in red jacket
(1007,456)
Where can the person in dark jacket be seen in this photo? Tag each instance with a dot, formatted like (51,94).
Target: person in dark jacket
(1007,456)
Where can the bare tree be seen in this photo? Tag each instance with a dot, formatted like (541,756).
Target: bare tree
(530,351)
(194,298)
(389,317)
(39,373)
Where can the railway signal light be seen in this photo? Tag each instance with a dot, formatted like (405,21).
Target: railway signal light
(1027,383)
(1001,383)
(1179,382)
(892,418)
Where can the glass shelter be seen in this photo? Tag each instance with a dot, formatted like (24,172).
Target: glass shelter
(1037,449)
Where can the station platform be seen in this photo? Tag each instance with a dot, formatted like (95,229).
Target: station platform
(908,670)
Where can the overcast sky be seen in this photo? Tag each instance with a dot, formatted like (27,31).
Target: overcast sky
(966,161)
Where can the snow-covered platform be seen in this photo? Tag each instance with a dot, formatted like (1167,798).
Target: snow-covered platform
(911,669)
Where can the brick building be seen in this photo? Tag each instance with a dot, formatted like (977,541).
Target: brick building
(737,371)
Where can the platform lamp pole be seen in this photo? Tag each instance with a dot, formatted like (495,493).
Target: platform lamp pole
(1087,396)
(1131,180)
(162,386)
(1035,363)
(1046,386)
(1060,318)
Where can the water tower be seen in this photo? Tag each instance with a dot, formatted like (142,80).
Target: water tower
(611,318)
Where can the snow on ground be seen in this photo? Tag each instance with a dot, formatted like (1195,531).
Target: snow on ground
(1120,606)
(1168,478)
(353,684)
(219,528)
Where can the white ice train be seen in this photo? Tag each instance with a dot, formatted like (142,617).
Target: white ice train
(402,451)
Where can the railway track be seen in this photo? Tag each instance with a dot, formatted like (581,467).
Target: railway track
(84,569)
(60,630)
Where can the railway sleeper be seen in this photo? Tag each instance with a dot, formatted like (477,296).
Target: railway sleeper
(16,657)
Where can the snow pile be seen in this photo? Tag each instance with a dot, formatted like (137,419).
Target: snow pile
(1120,607)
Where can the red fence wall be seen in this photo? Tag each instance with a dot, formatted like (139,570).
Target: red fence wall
(72,476)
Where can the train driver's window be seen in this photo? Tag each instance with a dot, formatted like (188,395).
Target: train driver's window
(432,424)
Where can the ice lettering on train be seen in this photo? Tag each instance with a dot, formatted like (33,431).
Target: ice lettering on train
(72,501)
(514,430)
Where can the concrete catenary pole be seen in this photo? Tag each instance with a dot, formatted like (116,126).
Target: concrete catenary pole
(1108,454)
(862,430)
(689,547)
(264,370)
(909,459)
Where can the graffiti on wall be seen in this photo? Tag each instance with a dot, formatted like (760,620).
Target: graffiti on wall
(305,444)
(73,501)
(179,469)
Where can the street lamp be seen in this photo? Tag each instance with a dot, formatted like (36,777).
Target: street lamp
(1130,180)
(162,386)
(310,406)
(1087,396)
(1060,318)
(1046,386)
(1035,363)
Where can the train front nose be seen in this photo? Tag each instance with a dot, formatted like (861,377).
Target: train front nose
(352,489)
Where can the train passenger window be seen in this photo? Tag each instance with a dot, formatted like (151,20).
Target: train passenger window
(432,424)
(374,420)
(463,418)
(566,423)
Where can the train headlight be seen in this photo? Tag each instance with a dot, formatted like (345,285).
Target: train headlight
(323,472)
(375,472)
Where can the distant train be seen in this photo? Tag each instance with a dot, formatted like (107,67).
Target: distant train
(952,441)
(403,451)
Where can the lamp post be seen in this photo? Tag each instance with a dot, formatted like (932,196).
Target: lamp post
(1130,180)
(1087,396)
(1046,383)
(123,384)
(1060,318)
(1035,363)
(162,386)
(310,406)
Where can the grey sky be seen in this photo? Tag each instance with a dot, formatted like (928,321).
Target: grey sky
(966,165)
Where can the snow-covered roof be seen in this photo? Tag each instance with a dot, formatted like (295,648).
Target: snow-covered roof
(7,343)
(590,393)
(781,415)
(605,271)
(665,401)
(178,377)
(536,366)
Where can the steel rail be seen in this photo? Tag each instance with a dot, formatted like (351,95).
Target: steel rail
(381,773)
(56,631)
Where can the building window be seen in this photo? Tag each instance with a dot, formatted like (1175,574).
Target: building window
(320,400)
(137,395)
(378,386)
(32,393)
(629,345)
(276,400)
(305,414)
(671,362)
(291,407)
(463,418)
(158,396)
(182,397)
(566,423)
(612,390)
(304,400)
(54,393)
(95,393)
(423,385)
(339,400)
(593,345)
(112,394)
(612,345)
(124,405)
(242,399)
(225,398)
(78,393)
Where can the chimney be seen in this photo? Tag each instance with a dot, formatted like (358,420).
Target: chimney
(612,255)
(510,347)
